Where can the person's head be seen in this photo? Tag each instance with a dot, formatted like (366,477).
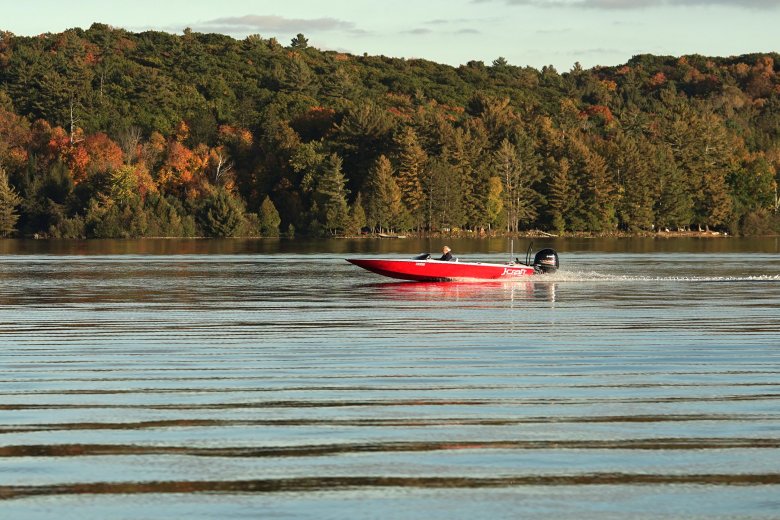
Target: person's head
(446,249)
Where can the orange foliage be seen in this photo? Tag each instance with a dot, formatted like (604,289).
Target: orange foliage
(237,136)
(693,75)
(765,66)
(96,153)
(741,69)
(200,161)
(17,156)
(600,111)
(77,160)
(157,142)
(403,105)
(622,71)
(178,157)
(182,169)
(104,154)
(145,182)
(341,57)
(59,141)
(609,85)
(182,131)
(658,80)
(15,137)
(403,114)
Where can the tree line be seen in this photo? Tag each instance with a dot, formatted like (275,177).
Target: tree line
(109,133)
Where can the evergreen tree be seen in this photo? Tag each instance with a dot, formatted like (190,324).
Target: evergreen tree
(365,131)
(466,153)
(299,42)
(674,203)
(221,214)
(443,195)
(357,216)
(340,86)
(593,209)
(331,196)
(560,193)
(718,164)
(384,209)
(703,154)
(9,201)
(517,174)
(411,165)
(635,183)
(269,218)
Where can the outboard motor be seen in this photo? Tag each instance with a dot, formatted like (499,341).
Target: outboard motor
(546,261)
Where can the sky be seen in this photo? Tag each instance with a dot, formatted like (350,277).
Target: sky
(524,32)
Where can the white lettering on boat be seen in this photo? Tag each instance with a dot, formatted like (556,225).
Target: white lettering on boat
(513,272)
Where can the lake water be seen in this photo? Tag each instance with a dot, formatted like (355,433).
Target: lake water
(271,379)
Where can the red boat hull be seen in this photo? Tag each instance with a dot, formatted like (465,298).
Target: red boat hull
(435,270)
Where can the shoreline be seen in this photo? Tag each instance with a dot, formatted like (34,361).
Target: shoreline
(536,234)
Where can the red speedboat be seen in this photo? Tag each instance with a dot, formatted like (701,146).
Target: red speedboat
(425,269)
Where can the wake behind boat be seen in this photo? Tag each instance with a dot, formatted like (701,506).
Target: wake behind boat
(423,268)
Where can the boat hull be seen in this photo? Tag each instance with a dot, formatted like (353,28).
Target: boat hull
(436,271)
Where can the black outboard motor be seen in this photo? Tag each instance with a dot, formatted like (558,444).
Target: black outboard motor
(546,261)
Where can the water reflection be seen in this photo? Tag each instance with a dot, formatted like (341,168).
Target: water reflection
(483,291)
(497,249)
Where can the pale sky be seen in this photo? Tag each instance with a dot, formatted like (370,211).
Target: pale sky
(525,32)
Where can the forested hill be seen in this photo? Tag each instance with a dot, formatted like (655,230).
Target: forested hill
(105,132)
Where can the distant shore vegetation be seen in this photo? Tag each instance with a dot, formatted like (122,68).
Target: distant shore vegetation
(109,133)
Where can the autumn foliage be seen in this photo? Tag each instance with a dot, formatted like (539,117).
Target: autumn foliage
(104,132)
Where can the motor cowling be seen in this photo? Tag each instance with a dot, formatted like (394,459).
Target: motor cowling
(546,261)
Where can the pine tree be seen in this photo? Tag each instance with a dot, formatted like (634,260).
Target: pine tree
(466,155)
(443,195)
(357,216)
(705,157)
(221,214)
(331,194)
(718,163)
(593,209)
(411,164)
(9,200)
(383,205)
(560,193)
(269,218)
(634,180)
(674,203)
(299,42)
(518,171)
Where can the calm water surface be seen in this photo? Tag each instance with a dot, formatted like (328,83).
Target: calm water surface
(271,379)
